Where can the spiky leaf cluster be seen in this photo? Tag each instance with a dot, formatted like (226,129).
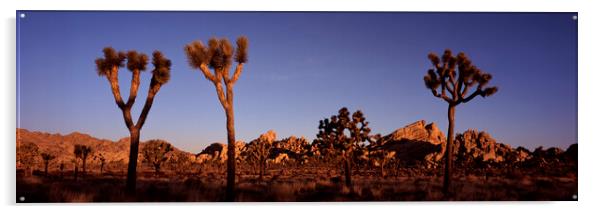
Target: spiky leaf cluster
(47,156)
(456,75)
(136,61)
(161,73)
(111,60)
(217,54)
(332,133)
(82,151)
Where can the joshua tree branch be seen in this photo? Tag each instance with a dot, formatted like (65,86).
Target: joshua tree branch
(207,73)
(237,73)
(442,96)
(113,79)
(473,95)
(152,91)
(220,94)
(449,88)
(134,88)
(465,91)
(226,73)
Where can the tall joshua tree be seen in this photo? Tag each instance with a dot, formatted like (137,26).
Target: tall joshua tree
(218,56)
(456,76)
(136,63)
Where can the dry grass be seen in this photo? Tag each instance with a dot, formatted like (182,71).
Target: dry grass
(298,184)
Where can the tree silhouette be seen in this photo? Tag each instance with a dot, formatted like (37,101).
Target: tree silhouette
(218,56)
(102,160)
(456,75)
(155,153)
(47,157)
(332,134)
(136,63)
(82,152)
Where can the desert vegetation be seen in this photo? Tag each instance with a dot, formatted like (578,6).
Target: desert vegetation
(136,63)
(218,56)
(456,75)
(345,161)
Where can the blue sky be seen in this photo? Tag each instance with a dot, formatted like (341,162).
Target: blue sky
(302,67)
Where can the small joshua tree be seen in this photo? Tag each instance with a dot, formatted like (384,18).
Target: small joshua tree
(47,157)
(155,153)
(218,56)
(27,154)
(136,63)
(102,161)
(82,152)
(332,133)
(456,75)
(260,150)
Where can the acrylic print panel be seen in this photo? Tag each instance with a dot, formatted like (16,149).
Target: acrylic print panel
(295,106)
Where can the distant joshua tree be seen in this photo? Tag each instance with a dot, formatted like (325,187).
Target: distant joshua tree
(218,56)
(332,133)
(82,152)
(61,168)
(456,75)
(27,154)
(155,153)
(102,160)
(47,157)
(259,150)
(136,63)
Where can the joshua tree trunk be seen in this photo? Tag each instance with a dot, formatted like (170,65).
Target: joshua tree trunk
(45,168)
(448,149)
(231,150)
(131,177)
(157,169)
(347,173)
(84,168)
(75,173)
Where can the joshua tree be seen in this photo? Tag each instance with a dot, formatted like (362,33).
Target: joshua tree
(61,168)
(260,150)
(47,157)
(332,133)
(27,154)
(82,152)
(136,63)
(102,161)
(218,56)
(456,75)
(155,153)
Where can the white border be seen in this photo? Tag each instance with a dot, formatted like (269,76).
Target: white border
(589,102)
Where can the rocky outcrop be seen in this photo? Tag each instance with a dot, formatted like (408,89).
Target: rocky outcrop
(415,143)
(115,153)
(218,152)
(475,145)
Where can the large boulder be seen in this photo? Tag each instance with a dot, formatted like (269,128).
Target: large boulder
(475,145)
(219,152)
(415,143)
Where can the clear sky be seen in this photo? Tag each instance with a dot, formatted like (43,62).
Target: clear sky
(302,67)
